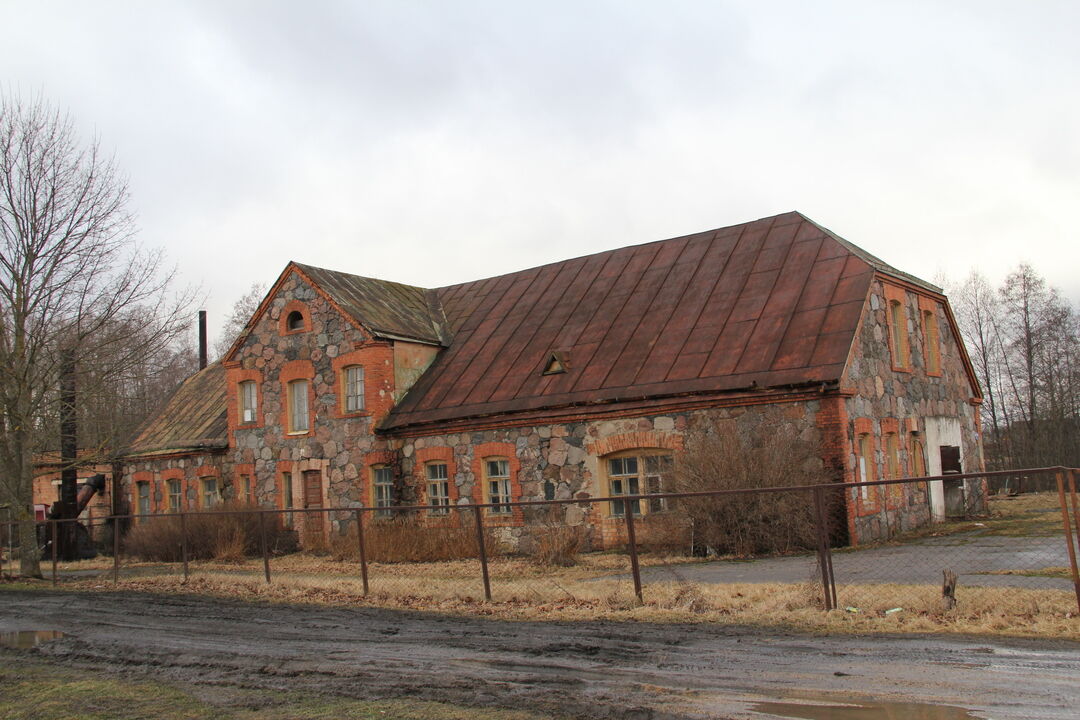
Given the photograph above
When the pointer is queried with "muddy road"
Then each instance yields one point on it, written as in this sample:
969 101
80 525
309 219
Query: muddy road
586 670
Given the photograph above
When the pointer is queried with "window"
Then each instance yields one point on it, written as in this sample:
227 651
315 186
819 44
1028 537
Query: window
176 496
287 498
438 488
498 485
643 474
295 321
354 388
916 457
892 464
247 487
210 493
931 343
382 483
298 406
899 330
866 466
248 407
144 498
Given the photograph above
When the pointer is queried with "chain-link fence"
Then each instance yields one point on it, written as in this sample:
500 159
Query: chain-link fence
912 544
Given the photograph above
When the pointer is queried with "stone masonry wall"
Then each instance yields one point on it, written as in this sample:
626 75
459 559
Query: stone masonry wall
887 398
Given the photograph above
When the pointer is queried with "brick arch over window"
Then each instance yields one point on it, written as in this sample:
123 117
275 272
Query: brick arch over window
291 307
166 476
496 450
634 441
141 476
236 376
297 370
435 454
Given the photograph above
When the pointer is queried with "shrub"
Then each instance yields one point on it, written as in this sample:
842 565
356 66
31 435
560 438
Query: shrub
411 538
224 533
718 458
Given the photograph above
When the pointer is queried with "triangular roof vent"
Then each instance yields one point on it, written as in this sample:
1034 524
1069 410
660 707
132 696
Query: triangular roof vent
556 363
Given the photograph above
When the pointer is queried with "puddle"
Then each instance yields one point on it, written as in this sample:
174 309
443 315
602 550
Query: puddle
864 711
26 639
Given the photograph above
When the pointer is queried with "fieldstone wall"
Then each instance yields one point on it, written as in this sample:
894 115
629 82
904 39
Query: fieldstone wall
886 399
189 468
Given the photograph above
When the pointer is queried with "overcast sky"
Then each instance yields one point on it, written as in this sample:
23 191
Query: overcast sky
438 142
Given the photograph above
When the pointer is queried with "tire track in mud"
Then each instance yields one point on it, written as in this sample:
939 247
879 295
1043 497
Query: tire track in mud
581 669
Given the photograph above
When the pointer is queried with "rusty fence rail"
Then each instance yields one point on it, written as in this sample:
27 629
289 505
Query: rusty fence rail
464 547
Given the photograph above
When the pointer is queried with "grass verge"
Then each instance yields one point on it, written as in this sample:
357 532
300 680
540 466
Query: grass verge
46 691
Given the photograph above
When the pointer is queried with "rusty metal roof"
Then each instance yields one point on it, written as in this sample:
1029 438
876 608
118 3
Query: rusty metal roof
194 418
387 309
770 303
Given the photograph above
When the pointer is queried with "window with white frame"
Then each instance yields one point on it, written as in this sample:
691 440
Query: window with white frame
298 406
623 480
497 471
382 483
354 388
248 402
438 485
211 494
176 496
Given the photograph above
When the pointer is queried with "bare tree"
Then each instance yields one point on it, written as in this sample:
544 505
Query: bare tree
73 283
242 311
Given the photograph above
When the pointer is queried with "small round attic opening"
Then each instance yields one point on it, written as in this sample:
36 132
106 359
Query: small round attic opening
295 320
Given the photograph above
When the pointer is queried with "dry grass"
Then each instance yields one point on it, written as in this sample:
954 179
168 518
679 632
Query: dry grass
598 589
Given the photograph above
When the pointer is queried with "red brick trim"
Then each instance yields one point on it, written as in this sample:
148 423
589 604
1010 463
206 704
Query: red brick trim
204 471
641 440
371 459
895 294
238 471
291 307
235 376
928 306
141 476
166 476
492 450
338 364
888 425
290 372
864 426
433 454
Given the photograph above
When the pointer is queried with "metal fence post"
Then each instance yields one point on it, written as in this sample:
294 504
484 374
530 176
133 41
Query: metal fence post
828 584
263 546
631 540
360 547
1075 508
184 543
116 549
53 544
1068 535
482 551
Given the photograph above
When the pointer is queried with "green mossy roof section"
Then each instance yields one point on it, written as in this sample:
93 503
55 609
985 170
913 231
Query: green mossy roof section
770 303
385 308
194 418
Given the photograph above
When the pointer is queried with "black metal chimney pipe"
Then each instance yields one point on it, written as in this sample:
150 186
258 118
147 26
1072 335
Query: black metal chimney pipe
202 339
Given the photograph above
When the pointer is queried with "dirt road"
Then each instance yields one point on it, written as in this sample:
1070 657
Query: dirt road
588 670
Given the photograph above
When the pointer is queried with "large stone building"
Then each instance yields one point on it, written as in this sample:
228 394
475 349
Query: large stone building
579 378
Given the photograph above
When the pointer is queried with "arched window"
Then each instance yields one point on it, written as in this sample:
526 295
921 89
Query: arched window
298 406
382 490
354 388
497 484
295 321
898 325
248 402
438 487
639 472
